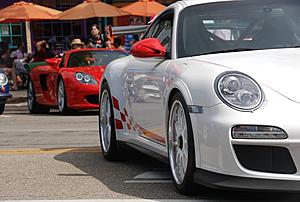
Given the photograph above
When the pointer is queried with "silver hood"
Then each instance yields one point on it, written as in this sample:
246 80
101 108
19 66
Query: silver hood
279 69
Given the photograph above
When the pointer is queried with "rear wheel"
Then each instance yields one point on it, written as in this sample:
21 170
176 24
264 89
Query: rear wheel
107 132
2 106
62 98
181 145
32 104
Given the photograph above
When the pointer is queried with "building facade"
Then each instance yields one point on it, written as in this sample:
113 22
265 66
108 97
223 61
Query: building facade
59 33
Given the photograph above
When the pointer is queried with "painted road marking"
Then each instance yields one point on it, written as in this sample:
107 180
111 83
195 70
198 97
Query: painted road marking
162 176
49 150
109 200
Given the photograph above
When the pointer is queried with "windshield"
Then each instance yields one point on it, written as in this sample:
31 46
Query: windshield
238 26
94 58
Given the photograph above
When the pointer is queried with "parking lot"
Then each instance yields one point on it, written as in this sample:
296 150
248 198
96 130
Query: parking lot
54 157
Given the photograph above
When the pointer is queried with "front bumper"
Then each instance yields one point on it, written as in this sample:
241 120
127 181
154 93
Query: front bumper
221 181
83 96
4 97
216 150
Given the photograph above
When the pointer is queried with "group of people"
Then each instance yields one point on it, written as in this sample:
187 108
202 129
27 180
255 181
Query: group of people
99 40
12 63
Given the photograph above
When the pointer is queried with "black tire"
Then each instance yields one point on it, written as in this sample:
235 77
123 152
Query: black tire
33 106
62 107
187 185
112 153
2 107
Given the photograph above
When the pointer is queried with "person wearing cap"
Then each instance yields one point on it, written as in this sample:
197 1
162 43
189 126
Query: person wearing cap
76 44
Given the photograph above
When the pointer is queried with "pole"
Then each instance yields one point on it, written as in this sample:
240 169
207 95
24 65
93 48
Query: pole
28 37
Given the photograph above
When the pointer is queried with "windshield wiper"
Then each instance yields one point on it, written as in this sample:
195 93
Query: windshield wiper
230 50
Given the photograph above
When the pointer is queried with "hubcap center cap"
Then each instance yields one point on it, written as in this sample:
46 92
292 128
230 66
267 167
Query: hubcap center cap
180 142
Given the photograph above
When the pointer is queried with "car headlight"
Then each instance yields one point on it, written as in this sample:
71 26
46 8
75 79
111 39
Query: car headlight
239 91
85 78
3 79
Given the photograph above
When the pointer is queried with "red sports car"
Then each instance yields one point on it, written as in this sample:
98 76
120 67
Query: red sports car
69 83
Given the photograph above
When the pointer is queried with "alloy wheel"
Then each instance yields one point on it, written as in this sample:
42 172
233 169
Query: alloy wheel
178 142
105 120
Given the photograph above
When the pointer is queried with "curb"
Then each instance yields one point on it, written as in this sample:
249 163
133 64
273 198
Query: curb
16 107
16 100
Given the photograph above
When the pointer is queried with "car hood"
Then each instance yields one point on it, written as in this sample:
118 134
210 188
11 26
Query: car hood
278 69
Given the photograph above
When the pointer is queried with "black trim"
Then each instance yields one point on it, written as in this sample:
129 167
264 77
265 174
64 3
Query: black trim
271 159
222 181
148 152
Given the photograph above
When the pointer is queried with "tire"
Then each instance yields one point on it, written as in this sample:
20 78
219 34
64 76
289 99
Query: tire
62 102
33 106
107 131
181 149
2 106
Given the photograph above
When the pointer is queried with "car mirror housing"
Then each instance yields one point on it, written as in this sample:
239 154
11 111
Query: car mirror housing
150 47
53 62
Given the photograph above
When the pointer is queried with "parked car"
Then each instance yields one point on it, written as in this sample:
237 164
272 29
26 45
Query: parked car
227 112
4 91
69 83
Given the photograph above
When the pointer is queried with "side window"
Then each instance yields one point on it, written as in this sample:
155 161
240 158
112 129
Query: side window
164 33
162 30
62 63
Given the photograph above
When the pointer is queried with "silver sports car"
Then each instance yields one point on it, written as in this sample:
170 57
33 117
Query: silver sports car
213 89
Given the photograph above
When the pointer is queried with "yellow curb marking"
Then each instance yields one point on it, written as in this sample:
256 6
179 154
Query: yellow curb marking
50 151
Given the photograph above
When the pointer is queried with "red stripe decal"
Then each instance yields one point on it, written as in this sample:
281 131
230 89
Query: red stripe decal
126 112
123 117
116 103
128 126
119 124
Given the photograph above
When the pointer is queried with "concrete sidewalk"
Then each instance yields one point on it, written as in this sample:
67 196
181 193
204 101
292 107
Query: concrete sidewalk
17 102
18 96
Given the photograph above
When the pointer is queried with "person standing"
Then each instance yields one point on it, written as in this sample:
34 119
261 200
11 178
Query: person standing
97 39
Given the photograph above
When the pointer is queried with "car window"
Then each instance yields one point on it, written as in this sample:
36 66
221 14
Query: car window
238 25
62 62
94 58
162 30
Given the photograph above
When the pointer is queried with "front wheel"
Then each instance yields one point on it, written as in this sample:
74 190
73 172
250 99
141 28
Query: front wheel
2 106
181 145
107 131
62 98
32 104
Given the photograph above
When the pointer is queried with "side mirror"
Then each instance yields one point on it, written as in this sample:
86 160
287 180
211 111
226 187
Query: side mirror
53 62
150 47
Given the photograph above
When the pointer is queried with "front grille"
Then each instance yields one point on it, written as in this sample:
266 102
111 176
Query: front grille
92 99
265 159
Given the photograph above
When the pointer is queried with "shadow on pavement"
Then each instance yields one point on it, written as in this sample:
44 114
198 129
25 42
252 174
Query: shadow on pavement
113 175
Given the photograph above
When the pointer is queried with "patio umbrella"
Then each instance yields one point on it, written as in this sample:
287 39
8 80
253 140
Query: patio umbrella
91 9
26 12
146 8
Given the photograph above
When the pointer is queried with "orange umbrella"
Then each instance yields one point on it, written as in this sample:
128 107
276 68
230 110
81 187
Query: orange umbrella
91 9
146 8
24 11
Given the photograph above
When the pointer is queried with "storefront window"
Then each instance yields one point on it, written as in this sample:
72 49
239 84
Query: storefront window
11 34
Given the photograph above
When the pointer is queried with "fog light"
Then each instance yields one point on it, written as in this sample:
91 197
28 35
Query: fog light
257 132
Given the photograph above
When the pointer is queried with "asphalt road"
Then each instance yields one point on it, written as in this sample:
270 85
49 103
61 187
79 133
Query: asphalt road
57 157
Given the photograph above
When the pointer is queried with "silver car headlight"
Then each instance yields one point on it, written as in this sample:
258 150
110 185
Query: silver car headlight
239 91
3 79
